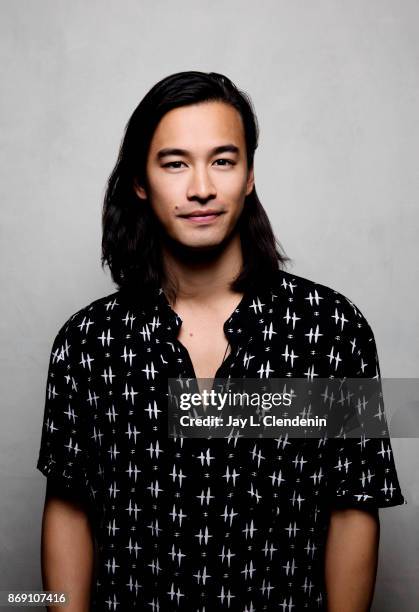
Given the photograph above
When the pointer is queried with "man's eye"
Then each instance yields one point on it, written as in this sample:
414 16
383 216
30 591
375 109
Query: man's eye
170 164
223 159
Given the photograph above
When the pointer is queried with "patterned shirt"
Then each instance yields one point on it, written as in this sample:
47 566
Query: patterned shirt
198 525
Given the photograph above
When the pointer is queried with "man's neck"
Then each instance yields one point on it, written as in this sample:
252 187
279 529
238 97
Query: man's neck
204 278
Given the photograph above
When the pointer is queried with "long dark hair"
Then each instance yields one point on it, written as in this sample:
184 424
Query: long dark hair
131 232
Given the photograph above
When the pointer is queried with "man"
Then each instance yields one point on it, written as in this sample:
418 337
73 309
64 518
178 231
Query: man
202 524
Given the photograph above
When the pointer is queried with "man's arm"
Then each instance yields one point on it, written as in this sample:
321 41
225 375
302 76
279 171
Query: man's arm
351 559
67 550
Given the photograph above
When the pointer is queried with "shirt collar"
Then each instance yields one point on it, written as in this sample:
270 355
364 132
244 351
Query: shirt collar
243 322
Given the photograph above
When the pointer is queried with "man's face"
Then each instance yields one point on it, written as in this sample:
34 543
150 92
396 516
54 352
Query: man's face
197 178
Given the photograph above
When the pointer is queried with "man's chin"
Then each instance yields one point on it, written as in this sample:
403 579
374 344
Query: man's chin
195 248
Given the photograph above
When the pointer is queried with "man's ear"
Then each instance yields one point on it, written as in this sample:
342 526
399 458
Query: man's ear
139 190
250 181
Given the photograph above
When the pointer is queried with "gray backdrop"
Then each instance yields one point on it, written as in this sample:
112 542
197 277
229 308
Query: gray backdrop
335 86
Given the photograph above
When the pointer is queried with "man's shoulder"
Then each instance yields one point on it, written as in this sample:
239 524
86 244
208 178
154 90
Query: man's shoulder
310 295
94 312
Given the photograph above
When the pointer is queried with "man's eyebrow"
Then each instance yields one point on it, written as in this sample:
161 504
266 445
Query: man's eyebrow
227 148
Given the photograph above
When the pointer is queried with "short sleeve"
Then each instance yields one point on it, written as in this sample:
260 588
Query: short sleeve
63 450
362 471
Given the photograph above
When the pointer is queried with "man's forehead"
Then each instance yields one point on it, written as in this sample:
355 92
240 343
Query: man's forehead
194 127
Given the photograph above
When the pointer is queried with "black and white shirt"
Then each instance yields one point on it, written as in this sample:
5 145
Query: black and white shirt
200 525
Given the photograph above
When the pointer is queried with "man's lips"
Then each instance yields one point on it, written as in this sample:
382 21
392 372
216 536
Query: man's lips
202 213
202 216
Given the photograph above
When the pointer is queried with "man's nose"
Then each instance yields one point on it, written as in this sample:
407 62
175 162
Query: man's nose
201 184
